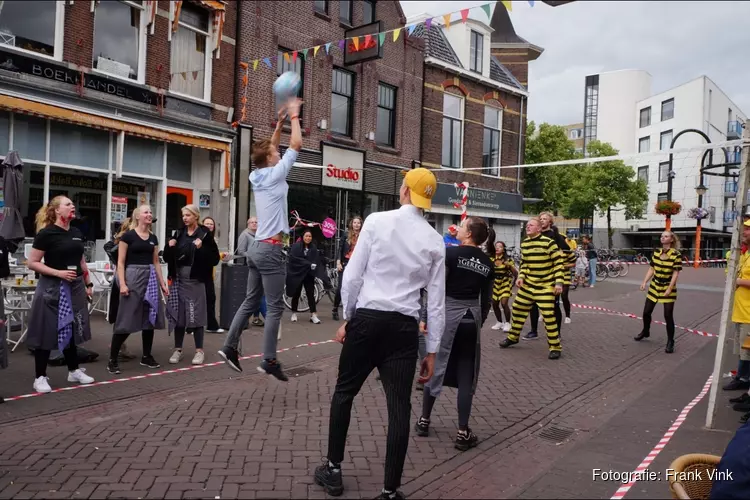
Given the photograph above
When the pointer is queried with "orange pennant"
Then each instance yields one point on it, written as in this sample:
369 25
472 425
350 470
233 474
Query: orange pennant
286 57
356 42
447 21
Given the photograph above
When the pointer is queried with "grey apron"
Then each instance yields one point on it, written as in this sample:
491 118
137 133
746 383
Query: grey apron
3 332
454 311
43 317
133 310
191 308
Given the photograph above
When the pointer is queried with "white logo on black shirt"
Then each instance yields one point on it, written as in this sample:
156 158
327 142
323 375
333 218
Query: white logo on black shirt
473 264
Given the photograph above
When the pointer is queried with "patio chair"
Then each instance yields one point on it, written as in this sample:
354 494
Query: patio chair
692 488
17 307
102 289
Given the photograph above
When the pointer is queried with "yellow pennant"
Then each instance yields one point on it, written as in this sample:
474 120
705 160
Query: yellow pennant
508 5
255 65
396 33
447 21
286 57
356 42
315 50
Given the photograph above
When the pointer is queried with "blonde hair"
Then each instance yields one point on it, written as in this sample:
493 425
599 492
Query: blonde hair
46 215
193 210
351 236
136 214
124 228
552 217
675 241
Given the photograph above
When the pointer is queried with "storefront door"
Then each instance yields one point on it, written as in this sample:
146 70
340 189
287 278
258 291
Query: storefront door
176 199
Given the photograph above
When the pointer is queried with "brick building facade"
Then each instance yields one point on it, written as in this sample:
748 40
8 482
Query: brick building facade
364 116
118 103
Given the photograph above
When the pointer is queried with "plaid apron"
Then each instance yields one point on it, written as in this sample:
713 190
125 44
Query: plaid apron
64 316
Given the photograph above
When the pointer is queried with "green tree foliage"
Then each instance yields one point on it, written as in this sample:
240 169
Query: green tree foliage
605 187
549 184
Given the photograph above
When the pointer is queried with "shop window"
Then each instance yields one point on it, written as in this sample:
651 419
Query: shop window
4 132
179 163
80 146
342 102
32 26
29 137
386 125
298 66
119 33
190 59
142 156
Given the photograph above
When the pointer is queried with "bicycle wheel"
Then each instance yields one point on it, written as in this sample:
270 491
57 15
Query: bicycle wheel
601 271
624 268
613 270
302 306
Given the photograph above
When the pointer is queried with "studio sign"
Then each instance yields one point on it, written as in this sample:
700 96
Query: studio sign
338 173
343 167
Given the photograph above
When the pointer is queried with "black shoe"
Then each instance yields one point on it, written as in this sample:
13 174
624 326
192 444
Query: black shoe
641 336
335 315
744 398
532 336
396 495
507 343
737 385
670 347
330 479
554 355
465 440
149 361
2 401
422 427
113 367
273 368
744 418
229 354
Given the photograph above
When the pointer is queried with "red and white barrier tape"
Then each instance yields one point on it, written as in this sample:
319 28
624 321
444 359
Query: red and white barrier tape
158 374
641 470
464 198
630 315
707 261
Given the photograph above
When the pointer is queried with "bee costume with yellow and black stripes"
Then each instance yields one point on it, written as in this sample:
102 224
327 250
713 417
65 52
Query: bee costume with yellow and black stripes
541 269
501 288
664 266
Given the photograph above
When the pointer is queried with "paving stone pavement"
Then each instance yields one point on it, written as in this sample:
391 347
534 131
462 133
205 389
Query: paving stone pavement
204 435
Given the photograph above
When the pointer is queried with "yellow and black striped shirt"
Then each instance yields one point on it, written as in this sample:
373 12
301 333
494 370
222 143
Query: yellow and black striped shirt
664 267
569 258
541 262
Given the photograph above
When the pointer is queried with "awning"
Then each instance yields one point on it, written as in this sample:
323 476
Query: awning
42 110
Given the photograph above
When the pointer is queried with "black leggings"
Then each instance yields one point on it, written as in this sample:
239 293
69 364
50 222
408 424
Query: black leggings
505 308
309 285
337 299
212 325
566 300
534 315
648 309
179 336
119 338
464 352
41 358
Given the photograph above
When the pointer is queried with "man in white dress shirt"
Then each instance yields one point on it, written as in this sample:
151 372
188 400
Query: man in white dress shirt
398 254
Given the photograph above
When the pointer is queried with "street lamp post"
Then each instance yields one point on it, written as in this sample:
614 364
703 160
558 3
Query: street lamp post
701 190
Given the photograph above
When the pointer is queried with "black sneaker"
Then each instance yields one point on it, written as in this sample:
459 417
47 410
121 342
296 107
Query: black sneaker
744 418
531 336
422 427
744 398
507 343
273 368
229 355
737 385
465 440
396 495
743 407
335 315
149 361
554 355
113 367
330 479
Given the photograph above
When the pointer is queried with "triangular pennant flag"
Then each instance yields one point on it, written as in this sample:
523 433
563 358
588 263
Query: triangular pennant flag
255 65
368 39
381 37
464 15
315 50
328 47
508 5
304 53
245 80
396 33
428 23
294 56
195 75
286 58
487 10
356 43
267 61
342 44
411 28
447 21
531 2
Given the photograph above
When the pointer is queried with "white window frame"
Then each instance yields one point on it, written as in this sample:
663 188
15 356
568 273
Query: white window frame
643 168
59 36
666 173
647 138
461 118
478 60
209 59
499 130
662 135
142 40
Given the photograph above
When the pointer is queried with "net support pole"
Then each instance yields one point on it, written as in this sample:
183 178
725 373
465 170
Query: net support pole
724 351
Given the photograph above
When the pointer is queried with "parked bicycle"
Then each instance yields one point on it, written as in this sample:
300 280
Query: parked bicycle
320 289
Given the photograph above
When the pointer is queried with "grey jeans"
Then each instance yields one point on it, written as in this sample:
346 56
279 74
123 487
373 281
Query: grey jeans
267 275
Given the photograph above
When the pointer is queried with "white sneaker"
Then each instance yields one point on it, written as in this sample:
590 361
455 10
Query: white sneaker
41 385
497 326
294 318
567 321
80 377
176 357
199 358
220 330
506 327
314 320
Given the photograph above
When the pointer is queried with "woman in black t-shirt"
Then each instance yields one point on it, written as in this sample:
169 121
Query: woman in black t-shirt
59 317
139 279
468 291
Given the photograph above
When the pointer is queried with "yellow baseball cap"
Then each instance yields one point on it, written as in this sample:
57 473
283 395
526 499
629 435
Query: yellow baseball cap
746 223
422 184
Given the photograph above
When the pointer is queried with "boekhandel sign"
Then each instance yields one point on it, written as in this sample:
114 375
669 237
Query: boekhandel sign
479 199
343 168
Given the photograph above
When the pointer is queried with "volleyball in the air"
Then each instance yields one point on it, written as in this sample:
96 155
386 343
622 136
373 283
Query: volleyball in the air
287 85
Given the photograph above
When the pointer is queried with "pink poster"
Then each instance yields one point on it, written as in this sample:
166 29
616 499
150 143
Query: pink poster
328 227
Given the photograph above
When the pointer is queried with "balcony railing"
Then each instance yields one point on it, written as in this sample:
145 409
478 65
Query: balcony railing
729 216
734 130
730 188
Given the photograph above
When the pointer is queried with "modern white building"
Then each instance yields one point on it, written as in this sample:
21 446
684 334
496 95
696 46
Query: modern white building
620 109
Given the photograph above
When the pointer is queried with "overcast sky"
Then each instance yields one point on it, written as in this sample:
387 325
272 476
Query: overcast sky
674 41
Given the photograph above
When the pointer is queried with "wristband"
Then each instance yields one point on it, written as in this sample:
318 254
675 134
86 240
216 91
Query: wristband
295 117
